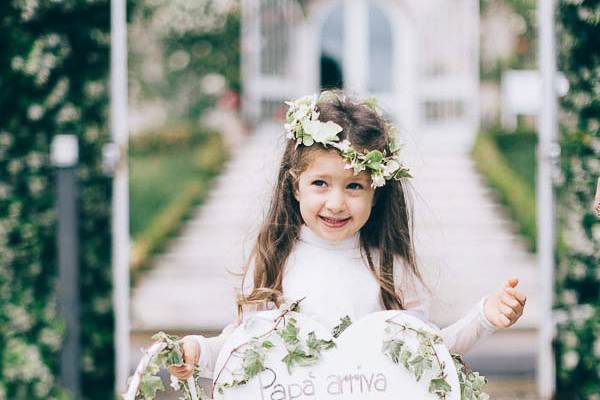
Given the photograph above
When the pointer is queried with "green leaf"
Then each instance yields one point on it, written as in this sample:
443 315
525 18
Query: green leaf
316 345
297 357
289 334
307 140
149 385
405 355
267 344
402 173
419 364
393 146
253 362
393 348
374 156
439 386
345 322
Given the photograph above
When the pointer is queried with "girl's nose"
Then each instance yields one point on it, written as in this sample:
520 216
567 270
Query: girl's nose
336 201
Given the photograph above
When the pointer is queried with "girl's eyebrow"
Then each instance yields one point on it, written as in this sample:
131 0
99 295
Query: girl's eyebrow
317 176
357 178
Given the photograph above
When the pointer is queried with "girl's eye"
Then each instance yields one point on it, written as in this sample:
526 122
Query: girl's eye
354 186
319 183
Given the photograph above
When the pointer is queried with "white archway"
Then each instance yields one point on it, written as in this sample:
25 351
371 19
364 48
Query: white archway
400 100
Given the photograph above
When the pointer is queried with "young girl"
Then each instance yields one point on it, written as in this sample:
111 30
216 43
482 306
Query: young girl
339 232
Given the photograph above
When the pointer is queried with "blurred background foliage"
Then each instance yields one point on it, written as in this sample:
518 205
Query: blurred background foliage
53 80
507 160
578 275
518 18
171 169
182 56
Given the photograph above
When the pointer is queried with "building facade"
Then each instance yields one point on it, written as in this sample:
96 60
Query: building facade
419 58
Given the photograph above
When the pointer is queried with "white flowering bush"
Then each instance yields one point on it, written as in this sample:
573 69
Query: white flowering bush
578 277
53 81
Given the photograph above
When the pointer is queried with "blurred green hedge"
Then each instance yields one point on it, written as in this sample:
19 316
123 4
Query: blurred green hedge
53 80
507 161
171 170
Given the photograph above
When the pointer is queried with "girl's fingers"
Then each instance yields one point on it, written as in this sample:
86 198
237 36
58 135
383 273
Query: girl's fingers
181 371
507 311
510 301
191 351
521 298
504 320
512 282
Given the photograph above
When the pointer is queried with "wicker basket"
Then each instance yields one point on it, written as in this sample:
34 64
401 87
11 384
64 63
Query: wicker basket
149 354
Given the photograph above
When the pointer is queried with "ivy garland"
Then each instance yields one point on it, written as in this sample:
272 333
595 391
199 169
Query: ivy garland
417 362
420 362
424 360
300 352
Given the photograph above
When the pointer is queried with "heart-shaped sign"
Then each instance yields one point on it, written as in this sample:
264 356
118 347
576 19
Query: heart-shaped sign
356 368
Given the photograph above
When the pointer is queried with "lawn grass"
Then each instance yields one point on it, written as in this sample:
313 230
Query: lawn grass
507 161
519 151
156 182
166 182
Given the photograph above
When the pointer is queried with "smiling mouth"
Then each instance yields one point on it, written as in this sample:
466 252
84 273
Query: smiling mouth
334 222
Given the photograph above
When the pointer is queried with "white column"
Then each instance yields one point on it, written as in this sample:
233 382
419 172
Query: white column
356 46
545 196
305 52
406 57
120 200
250 59
474 17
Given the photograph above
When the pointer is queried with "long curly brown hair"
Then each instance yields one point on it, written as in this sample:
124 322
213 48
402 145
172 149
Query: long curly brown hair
388 230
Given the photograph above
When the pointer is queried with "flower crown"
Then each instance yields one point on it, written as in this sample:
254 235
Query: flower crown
304 126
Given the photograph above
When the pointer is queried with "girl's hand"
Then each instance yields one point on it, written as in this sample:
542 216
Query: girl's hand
505 307
191 355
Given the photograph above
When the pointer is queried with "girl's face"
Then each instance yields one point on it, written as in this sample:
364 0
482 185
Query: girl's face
334 203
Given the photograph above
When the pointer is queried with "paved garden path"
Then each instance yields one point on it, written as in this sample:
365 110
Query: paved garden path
467 248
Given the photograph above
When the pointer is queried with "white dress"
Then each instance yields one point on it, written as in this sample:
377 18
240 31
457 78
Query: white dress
335 280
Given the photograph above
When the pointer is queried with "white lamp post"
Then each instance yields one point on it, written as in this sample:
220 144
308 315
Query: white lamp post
120 201
547 154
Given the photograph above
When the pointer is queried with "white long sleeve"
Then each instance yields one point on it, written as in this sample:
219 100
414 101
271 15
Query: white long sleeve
333 278
460 336
210 348
468 331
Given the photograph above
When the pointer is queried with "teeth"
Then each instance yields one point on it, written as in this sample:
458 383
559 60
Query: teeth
334 221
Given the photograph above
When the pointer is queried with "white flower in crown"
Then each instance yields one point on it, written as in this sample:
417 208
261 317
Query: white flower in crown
302 108
288 131
356 166
324 133
344 146
377 180
390 167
